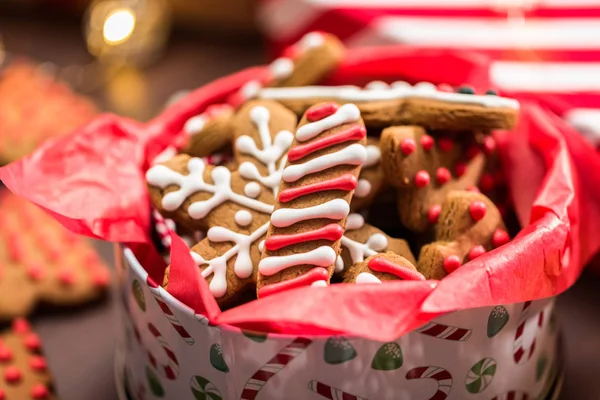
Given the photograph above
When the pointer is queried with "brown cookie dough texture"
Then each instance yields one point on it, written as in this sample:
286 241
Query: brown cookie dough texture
42 262
468 226
424 170
208 132
401 104
23 369
382 267
318 181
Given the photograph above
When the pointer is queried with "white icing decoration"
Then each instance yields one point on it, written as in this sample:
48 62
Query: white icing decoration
252 190
243 218
311 40
354 154
376 85
261 246
345 114
281 68
162 177
367 277
323 256
334 209
319 283
354 221
250 89
339 264
362 189
165 155
217 267
377 242
194 125
373 156
396 92
425 87
400 84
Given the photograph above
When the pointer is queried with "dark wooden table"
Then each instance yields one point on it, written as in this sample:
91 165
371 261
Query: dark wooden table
80 344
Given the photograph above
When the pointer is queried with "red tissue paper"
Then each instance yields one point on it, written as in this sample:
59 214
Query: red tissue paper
93 182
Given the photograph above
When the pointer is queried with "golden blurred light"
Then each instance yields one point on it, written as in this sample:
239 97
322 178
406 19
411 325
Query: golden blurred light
118 26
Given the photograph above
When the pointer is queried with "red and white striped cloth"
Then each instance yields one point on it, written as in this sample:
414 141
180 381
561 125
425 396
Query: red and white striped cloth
546 48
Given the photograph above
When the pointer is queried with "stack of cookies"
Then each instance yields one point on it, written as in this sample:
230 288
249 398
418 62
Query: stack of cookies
291 185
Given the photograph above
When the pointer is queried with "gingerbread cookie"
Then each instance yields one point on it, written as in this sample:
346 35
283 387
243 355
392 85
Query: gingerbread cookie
317 185
42 262
424 170
371 181
23 369
383 267
208 132
304 63
469 225
382 105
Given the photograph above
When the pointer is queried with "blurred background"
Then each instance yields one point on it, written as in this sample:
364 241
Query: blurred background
64 61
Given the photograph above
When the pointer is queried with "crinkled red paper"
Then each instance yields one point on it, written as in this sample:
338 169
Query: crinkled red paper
93 183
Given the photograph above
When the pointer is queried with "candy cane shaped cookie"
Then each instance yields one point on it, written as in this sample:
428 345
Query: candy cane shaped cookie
307 224
273 366
169 370
513 395
445 332
331 393
440 375
522 353
383 267
154 289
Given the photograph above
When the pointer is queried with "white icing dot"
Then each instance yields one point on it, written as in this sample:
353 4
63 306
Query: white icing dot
425 87
377 85
311 40
261 246
363 188
194 125
354 221
366 277
281 68
252 190
377 242
250 89
400 84
243 218
339 265
319 284
373 156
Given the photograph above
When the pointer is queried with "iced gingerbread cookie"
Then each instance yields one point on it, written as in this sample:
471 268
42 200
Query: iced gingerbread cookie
304 63
208 132
469 225
307 224
383 267
371 181
382 105
424 169
42 262
23 370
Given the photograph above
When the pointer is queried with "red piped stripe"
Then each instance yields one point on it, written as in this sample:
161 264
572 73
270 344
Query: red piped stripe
356 132
320 111
315 274
345 182
330 232
380 264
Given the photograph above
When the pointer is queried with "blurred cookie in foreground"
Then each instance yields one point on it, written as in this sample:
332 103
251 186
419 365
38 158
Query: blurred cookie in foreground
42 262
23 369
35 107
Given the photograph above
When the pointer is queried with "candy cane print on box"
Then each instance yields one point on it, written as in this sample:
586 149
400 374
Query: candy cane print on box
522 353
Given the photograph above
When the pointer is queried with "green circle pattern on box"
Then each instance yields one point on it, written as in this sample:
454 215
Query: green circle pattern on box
541 367
154 384
138 294
203 389
216 358
338 350
497 320
480 375
389 357
256 336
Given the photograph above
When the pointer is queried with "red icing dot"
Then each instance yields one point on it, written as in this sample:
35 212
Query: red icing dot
38 363
20 326
407 146
35 271
5 354
39 391
421 179
486 183
66 276
489 145
100 278
476 252
320 111
12 374
460 169
477 209
472 152
451 263
426 142
500 237
443 175
15 248
434 213
32 342
445 144
444 87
